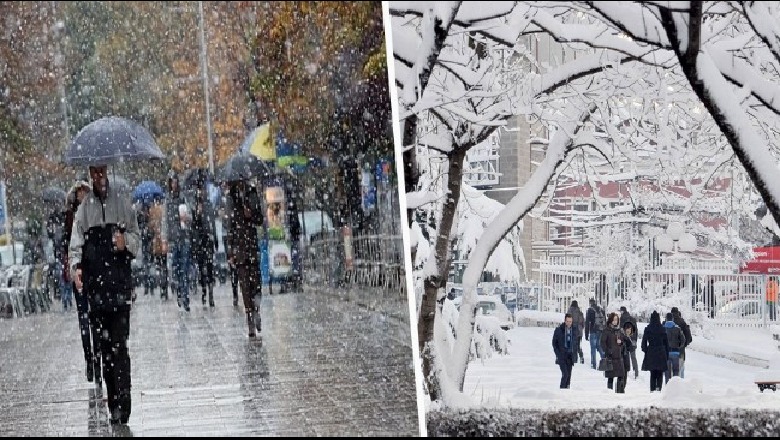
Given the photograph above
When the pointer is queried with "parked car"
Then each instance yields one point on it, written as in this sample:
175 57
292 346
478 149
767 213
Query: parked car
490 305
741 308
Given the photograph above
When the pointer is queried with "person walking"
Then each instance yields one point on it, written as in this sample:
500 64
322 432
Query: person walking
104 240
676 339
686 329
159 247
625 317
89 337
177 230
565 344
579 322
225 215
655 346
613 343
771 296
245 215
595 322
629 348
204 241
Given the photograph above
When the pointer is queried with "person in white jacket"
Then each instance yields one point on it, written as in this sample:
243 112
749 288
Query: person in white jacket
104 240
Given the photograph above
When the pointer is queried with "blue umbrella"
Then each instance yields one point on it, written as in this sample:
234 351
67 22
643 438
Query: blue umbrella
147 191
112 140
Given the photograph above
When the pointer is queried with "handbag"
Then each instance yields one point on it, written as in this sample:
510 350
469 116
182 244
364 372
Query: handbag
605 364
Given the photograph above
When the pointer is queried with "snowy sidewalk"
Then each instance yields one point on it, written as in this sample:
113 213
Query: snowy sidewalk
322 366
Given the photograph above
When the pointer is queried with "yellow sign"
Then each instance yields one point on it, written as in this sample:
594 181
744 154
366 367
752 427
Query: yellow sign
263 146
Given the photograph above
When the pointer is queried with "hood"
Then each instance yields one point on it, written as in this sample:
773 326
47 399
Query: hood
669 324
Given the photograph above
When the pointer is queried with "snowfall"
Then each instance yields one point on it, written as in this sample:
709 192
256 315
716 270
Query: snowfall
720 373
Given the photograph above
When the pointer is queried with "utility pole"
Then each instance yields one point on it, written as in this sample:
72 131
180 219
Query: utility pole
204 69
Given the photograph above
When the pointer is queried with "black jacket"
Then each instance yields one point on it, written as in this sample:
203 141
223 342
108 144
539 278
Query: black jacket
655 345
559 343
686 329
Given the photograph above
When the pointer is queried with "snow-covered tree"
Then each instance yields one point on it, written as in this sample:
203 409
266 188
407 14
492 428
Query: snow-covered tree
723 56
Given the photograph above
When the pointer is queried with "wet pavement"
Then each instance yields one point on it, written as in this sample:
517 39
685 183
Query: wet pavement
322 365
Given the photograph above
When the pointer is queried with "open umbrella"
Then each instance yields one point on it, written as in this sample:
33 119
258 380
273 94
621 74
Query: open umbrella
147 191
241 167
112 140
53 194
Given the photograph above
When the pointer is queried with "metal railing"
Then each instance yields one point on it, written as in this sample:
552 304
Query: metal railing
377 262
703 291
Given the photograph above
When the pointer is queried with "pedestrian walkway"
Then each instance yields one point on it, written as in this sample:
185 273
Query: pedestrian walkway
321 366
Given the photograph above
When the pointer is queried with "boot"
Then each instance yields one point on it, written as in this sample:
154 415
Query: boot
203 297
257 320
235 299
250 324
211 296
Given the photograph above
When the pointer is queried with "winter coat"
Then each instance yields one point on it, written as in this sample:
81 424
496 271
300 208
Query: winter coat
675 336
613 350
686 329
578 319
629 346
590 320
559 343
655 345
626 317
106 273
171 224
204 231
242 229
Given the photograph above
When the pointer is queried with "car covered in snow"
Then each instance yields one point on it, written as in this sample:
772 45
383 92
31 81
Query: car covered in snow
490 305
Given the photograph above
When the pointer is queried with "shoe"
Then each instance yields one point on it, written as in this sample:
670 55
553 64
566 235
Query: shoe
203 298
251 324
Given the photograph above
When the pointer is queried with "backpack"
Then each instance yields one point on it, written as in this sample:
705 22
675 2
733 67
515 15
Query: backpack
673 334
600 320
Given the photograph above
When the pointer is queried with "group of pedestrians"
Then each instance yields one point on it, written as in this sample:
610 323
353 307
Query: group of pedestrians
99 232
615 337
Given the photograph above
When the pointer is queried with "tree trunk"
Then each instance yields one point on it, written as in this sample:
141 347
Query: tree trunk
434 282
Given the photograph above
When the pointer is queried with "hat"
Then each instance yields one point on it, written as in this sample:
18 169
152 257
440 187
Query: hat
675 311
593 301
623 309
669 316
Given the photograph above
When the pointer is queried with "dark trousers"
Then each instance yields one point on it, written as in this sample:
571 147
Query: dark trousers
233 272
566 365
115 330
82 305
620 387
249 278
656 380
205 270
161 261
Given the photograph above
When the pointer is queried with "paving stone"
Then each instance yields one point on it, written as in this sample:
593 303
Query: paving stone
322 365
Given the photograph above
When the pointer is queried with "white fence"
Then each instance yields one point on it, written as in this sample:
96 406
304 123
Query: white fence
704 291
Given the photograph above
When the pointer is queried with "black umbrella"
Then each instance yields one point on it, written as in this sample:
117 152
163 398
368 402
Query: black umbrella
112 140
54 195
241 167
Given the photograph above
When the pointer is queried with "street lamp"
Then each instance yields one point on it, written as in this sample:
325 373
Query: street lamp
675 239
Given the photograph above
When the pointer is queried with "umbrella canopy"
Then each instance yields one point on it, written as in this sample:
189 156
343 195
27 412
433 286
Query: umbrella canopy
241 167
259 143
147 191
53 194
112 140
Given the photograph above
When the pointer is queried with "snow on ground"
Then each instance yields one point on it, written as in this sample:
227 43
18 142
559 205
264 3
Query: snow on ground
528 378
